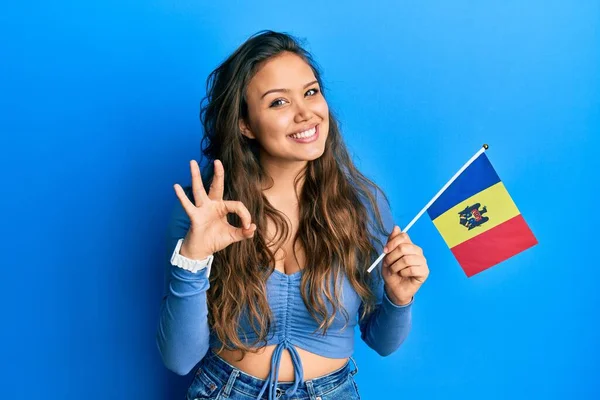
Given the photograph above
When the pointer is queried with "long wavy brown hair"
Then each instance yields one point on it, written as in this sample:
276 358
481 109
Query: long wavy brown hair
335 227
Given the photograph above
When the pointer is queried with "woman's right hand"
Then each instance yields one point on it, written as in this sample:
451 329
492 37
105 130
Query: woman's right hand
209 230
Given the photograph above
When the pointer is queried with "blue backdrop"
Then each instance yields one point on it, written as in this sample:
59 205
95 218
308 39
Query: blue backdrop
99 118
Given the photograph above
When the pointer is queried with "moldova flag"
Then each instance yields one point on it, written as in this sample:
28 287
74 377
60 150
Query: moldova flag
479 220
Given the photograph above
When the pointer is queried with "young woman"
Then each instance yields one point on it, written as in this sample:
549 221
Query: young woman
269 250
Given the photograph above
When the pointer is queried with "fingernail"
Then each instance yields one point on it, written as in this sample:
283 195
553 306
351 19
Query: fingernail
385 249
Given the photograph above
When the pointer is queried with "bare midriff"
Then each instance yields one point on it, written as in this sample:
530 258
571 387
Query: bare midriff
258 364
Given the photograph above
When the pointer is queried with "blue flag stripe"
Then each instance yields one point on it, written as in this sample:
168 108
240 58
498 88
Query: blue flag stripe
477 177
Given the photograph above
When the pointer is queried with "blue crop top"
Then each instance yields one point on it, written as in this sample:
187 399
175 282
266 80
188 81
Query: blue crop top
183 335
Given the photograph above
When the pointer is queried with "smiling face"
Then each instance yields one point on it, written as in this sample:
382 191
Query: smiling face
287 114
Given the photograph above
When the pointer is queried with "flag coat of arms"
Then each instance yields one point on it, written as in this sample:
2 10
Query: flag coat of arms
478 219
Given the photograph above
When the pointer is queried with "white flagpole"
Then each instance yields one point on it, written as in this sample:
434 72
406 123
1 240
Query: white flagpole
484 148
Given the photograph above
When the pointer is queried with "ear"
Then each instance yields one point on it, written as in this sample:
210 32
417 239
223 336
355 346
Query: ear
245 129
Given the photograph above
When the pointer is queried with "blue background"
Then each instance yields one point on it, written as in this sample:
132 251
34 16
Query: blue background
99 118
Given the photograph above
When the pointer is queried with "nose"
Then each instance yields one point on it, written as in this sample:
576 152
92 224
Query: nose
303 112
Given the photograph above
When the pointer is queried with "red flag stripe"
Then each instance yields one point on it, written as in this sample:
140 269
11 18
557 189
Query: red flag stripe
494 246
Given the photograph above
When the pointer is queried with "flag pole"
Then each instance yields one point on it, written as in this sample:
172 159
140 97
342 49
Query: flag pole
456 175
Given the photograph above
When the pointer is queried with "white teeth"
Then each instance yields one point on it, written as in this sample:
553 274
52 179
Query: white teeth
304 134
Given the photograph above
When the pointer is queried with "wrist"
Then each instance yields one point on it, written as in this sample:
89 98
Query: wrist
192 253
399 301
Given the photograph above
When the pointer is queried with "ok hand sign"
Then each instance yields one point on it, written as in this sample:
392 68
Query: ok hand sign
209 230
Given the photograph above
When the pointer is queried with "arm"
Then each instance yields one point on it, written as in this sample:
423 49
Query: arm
183 333
388 326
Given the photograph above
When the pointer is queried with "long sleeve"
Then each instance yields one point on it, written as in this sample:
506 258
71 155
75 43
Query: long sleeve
182 336
388 326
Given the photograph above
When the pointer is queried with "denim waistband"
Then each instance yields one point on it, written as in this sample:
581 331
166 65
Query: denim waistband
250 385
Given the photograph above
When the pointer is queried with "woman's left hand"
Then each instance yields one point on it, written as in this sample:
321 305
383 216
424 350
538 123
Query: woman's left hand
404 267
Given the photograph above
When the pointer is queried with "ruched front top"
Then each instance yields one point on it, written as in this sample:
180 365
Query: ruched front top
183 335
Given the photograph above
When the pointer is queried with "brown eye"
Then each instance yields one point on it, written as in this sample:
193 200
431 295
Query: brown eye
315 90
277 103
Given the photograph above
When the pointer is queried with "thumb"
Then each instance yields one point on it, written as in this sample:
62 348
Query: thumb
395 232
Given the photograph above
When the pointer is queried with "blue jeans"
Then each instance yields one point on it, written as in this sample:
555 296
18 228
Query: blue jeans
216 379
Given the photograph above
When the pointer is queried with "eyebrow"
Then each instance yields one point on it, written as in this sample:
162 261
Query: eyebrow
286 90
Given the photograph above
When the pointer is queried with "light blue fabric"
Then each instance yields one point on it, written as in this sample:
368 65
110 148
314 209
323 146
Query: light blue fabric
183 335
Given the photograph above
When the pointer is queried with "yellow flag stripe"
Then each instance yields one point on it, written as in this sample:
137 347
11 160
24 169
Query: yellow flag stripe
499 207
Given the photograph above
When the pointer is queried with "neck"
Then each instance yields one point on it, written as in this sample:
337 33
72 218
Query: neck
283 175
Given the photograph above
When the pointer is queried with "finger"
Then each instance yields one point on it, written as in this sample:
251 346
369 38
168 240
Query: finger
240 209
197 186
407 261
400 237
414 271
188 206
218 182
403 261
401 250
238 234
